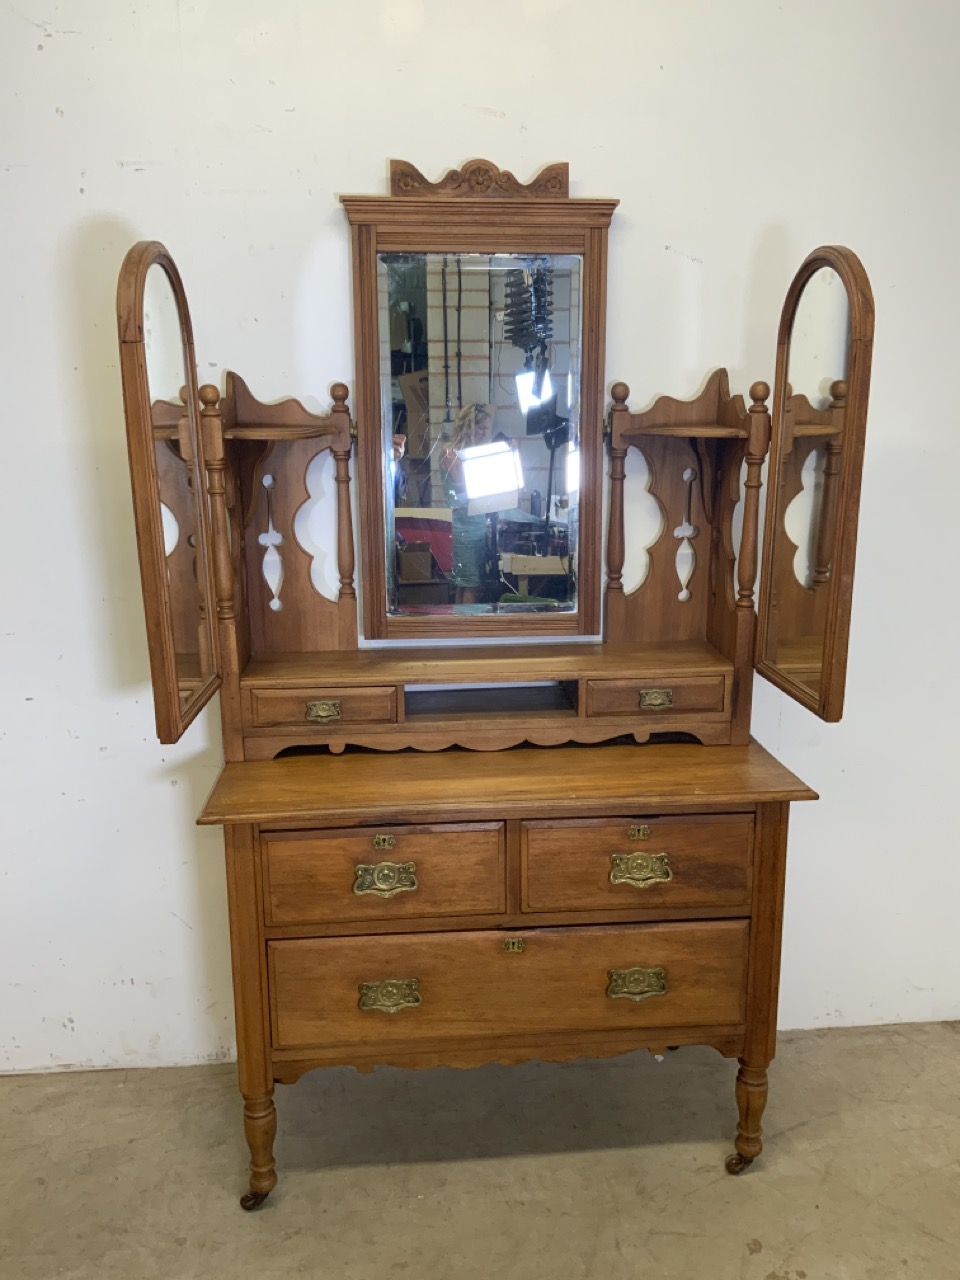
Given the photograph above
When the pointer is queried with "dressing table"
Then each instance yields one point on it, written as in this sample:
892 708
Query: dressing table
496 821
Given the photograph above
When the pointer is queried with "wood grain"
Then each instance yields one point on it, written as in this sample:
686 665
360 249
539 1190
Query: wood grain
313 790
566 865
471 986
309 877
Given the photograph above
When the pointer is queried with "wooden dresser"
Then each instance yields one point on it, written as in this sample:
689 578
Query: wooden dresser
501 826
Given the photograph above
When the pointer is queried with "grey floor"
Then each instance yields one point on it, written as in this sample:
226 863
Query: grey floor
597 1169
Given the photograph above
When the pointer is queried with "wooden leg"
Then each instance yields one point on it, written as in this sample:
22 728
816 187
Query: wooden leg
260 1127
751 1100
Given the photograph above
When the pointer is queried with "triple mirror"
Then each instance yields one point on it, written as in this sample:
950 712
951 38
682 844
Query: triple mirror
820 407
161 403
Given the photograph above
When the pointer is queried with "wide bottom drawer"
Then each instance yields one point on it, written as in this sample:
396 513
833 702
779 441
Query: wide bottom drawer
406 989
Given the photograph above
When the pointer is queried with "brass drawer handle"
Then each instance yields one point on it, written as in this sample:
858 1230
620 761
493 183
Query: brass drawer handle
327 709
385 879
391 995
640 869
636 984
656 699
384 842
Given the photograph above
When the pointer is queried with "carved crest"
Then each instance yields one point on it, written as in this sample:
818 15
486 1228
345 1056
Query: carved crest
480 179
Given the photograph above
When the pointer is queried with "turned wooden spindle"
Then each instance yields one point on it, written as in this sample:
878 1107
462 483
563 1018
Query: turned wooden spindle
619 414
826 527
212 436
751 1100
758 441
260 1129
341 455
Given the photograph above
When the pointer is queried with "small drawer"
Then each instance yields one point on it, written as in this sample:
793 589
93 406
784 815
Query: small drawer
406 989
383 873
643 862
654 697
322 708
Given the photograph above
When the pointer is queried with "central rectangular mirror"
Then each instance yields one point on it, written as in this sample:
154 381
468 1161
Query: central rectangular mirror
480 362
479 307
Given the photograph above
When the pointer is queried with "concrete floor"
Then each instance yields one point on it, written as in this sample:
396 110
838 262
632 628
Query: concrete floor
598 1169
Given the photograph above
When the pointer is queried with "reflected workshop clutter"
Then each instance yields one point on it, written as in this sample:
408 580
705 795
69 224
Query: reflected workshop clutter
480 397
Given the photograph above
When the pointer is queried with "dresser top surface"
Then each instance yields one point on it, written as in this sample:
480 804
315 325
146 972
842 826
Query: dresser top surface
410 786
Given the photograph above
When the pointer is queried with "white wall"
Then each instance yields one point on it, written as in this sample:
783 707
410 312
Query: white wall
738 136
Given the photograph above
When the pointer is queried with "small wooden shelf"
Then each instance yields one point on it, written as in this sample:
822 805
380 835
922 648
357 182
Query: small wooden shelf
482 664
687 431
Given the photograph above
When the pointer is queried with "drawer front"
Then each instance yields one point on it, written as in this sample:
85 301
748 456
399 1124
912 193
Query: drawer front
654 697
322 708
406 989
642 862
383 873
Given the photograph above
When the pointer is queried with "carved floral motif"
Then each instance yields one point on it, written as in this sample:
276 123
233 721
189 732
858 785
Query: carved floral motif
479 178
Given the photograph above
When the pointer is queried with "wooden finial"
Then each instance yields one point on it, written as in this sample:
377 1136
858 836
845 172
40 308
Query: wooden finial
339 391
209 398
759 394
838 393
620 392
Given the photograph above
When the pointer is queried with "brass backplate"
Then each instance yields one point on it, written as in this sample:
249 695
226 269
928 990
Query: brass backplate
385 879
636 984
640 869
656 699
390 995
327 709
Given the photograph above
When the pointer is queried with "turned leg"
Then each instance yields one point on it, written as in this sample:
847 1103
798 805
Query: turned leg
260 1127
751 1100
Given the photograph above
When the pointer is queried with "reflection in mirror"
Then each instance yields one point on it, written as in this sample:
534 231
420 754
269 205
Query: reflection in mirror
811 451
180 483
480 385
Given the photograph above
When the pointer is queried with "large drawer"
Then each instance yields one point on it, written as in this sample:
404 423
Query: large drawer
383 873
371 992
617 864
322 707
654 697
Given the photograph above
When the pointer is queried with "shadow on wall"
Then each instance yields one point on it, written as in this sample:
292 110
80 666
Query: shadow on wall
90 270
93 257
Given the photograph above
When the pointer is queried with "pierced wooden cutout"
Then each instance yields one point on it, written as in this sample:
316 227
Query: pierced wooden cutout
271 540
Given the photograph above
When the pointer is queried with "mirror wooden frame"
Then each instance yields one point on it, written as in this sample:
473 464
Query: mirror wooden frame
477 209
172 716
828 703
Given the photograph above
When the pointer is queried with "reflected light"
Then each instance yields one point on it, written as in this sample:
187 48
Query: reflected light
573 471
526 390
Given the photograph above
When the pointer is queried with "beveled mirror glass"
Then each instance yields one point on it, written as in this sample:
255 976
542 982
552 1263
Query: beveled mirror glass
166 459
480 413
820 404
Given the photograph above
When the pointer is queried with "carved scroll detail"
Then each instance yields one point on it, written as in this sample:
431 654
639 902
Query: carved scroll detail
480 178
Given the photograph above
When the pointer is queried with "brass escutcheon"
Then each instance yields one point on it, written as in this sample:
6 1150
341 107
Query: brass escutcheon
656 699
325 710
636 984
384 842
513 944
390 995
385 879
640 869
639 831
